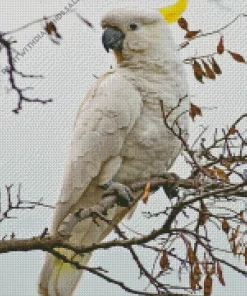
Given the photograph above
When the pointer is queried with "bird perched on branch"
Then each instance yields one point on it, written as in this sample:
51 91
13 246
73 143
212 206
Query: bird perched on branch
119 134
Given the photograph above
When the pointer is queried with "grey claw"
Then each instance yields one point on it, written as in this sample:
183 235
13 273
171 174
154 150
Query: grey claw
122 192
171 190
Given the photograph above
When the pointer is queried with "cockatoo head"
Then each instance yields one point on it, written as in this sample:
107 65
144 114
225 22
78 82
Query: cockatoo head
130 33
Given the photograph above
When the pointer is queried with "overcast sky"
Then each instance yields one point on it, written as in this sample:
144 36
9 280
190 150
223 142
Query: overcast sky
33 144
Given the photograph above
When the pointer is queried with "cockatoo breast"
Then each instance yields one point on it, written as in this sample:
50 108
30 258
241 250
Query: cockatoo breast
150 148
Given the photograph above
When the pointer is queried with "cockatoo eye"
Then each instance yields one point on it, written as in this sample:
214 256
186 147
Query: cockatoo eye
133 26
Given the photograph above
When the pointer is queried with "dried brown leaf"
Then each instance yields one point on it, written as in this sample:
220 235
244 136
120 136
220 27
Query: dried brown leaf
234 248
241 215
192 34
198 72
183 24
234 234
232 130
225 226
203 214
237 57
193 281
197 270
48 28
220 274
226 164
221 174
209 72
237 230
245 255
164 261
194 111
216 67
220 46
208 285
210 172
191 255
196 273
51 28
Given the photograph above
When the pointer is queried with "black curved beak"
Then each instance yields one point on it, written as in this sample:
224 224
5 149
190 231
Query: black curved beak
112 39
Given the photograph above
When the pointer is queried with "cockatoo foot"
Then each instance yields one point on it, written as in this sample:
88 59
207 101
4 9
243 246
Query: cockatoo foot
171 190
121 191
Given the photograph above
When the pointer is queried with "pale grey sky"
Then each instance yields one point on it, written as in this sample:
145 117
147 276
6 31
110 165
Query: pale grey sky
33 145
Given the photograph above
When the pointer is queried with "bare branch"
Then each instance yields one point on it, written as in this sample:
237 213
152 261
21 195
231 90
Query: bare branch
11 71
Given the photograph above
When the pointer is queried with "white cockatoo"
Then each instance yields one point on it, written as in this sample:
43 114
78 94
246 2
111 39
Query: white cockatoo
119 135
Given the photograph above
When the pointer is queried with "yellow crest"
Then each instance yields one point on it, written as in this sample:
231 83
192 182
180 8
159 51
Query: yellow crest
173 12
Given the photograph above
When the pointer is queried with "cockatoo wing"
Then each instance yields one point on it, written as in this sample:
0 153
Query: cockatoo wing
105 118
107 115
